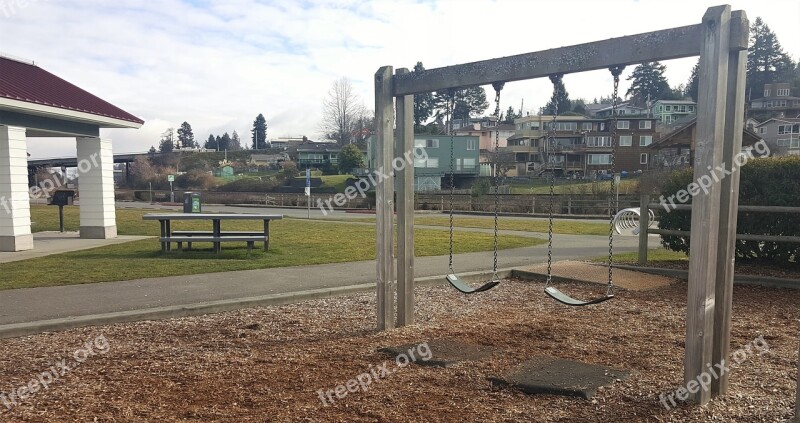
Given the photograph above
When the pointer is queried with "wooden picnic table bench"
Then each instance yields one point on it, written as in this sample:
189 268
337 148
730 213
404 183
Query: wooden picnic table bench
216 235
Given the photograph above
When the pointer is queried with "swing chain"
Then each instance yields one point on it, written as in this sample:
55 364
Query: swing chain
498 86
616 71
551 142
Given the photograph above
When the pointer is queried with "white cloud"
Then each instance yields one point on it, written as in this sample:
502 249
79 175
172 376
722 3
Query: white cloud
217 64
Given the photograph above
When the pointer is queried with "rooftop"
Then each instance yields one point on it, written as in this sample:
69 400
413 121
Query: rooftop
27 88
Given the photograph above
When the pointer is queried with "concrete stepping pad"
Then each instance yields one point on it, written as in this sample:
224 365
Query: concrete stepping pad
443 352
555 376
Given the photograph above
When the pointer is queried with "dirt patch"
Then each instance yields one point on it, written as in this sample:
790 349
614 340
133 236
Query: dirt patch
741 268
269 364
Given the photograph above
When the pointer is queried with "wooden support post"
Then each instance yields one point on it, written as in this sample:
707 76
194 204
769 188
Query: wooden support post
644 224
729 202
384 197
404 149
797 394
705 205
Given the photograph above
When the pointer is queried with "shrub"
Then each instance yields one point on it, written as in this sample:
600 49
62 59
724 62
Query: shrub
249 185
196 179
764 182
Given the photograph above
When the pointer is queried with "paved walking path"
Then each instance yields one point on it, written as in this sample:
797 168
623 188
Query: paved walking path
36 304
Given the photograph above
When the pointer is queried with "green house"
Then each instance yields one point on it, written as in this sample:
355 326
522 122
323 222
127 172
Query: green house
432 164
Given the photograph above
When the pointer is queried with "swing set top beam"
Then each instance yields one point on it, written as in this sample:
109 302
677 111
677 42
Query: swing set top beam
673 43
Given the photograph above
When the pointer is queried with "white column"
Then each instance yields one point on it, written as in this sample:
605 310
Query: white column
96 188
15 208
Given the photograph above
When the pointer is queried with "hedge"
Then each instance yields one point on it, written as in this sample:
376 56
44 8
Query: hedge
763 182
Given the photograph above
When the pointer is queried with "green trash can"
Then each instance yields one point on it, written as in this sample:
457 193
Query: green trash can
191 202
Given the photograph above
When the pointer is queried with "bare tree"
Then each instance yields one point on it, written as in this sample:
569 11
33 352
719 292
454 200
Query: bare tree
341 111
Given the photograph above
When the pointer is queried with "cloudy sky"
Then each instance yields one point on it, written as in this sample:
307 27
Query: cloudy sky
217 64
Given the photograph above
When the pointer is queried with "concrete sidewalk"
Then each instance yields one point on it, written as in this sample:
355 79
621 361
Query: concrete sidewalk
49 243
39 304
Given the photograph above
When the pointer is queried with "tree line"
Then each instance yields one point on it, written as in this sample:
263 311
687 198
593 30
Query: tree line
185 139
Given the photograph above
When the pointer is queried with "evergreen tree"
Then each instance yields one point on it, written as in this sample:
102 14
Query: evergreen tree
211 143
649 80
167 143
152 150
766 60
236 142
511 115
259 133
225 142
186 136
467 103
423 104
350 158
694 82
579 106
558 100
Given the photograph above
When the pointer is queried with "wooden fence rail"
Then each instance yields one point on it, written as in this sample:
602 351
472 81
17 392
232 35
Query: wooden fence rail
644 223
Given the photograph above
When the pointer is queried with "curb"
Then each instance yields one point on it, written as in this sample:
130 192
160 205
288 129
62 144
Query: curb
765 281
15 330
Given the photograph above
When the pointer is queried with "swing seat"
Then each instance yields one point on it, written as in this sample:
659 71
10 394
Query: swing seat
567 300
466 289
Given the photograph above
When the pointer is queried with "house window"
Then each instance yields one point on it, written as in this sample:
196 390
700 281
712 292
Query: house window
794 143
586 126
783 142
645 140
598 141
432 143
623 124
432 162
659 109
645 124
472 144
643 158
690 108
668 108
622 112
783 92
469 163
761 130
625 140
766 92
599 159
683 109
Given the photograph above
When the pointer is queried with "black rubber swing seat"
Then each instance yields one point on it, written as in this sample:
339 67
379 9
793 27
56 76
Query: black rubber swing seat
567 300
466 289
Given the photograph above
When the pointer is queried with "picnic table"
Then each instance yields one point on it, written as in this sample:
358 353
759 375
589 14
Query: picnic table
216 235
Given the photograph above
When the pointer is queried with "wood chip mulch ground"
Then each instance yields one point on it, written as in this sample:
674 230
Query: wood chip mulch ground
268 364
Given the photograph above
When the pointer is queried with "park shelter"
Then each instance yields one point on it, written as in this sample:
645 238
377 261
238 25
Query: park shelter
36 103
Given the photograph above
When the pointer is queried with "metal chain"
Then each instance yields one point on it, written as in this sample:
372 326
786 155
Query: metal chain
551 141
451 111
615 72
498 86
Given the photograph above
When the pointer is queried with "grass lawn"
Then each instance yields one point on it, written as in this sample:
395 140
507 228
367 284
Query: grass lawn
562 226
296 242
655 254
339 182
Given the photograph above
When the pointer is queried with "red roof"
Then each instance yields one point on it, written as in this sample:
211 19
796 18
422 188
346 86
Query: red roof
32 84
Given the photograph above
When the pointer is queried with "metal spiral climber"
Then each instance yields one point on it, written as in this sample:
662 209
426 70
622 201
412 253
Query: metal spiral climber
628 219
